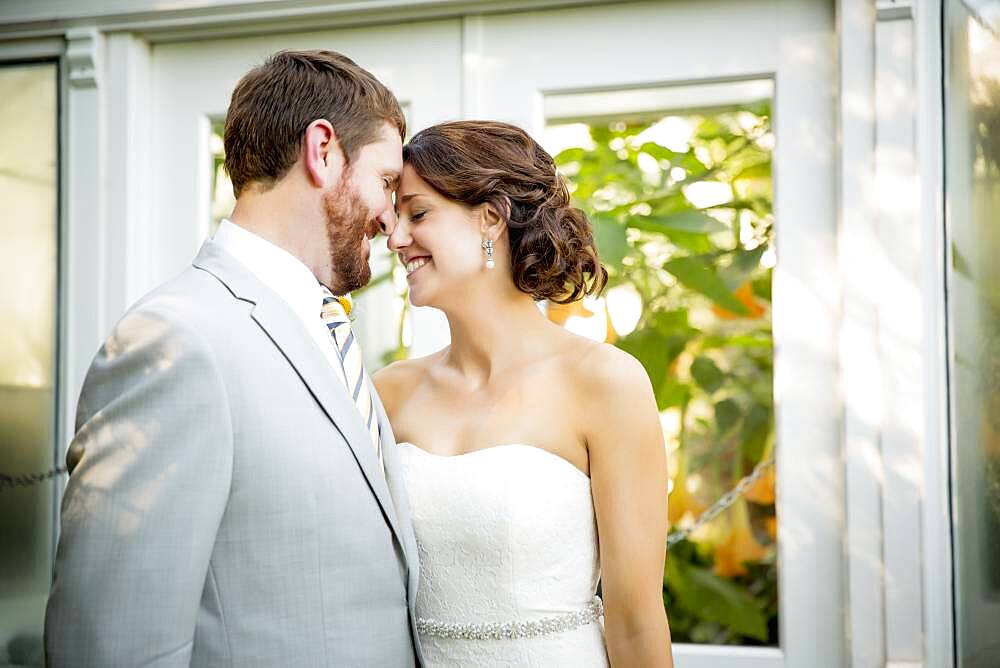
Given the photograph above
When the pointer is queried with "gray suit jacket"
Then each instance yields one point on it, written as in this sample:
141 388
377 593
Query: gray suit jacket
227 506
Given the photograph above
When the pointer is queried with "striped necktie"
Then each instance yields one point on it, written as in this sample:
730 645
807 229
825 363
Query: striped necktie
334 316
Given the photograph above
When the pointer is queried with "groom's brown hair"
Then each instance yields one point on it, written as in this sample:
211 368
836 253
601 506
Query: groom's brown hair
275 102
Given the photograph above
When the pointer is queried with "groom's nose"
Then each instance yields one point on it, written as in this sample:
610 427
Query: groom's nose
387 220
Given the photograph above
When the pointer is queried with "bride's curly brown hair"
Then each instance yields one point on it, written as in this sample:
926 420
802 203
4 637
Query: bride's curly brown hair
552 249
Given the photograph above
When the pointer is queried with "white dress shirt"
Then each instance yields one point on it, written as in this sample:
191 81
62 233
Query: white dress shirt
288 276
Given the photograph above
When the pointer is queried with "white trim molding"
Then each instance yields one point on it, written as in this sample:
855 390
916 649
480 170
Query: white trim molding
83 198
32 49
83 56
893 10
860 367
899 336
159 20
937 549
713 656
892 334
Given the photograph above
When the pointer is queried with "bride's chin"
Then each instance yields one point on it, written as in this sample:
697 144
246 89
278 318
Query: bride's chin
420 297
416 299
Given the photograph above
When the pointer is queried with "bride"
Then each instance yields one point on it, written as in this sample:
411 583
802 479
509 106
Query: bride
533 457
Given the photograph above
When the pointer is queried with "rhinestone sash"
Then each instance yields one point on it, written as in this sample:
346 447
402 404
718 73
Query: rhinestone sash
517 629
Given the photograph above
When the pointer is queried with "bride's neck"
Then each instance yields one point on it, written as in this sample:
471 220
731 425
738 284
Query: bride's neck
493 333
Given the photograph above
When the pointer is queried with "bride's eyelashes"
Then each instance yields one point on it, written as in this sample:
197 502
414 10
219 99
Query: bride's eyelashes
417 215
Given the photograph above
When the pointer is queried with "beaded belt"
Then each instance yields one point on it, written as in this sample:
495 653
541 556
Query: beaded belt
518 629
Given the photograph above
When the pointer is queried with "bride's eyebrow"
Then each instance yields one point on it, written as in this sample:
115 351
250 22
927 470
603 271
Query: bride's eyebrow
400 201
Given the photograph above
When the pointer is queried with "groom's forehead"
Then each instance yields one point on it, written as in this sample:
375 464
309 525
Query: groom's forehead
386 150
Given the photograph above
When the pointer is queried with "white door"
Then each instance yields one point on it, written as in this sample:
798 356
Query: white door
522 66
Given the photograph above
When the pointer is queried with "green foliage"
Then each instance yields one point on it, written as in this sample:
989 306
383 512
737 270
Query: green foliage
701 593
701 267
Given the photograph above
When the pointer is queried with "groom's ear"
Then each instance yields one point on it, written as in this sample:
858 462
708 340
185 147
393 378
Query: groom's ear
493 222
322 154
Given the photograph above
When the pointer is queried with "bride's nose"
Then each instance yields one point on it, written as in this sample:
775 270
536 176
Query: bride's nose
400 237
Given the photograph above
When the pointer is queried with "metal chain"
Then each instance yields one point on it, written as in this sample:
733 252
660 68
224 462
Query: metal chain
27 479
727 499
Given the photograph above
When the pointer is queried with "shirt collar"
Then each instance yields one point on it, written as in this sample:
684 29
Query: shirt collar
275 267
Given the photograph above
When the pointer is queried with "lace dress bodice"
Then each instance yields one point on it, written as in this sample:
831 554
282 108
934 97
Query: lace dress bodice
505 535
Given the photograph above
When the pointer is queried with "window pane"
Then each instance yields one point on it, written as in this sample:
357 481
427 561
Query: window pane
28 261
677 184
972 144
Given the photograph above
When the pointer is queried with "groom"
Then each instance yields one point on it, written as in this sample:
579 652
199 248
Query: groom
235 496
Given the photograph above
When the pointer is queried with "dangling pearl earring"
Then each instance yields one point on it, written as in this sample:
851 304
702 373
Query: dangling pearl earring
488 248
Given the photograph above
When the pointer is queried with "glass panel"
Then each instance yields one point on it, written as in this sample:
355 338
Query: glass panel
29 257
972 148
680 198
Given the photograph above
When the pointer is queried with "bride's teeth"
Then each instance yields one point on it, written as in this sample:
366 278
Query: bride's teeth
415 264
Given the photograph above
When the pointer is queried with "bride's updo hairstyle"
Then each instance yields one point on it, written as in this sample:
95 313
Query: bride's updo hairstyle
552 250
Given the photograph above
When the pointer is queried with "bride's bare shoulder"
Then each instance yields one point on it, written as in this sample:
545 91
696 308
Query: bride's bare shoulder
601 369
399 379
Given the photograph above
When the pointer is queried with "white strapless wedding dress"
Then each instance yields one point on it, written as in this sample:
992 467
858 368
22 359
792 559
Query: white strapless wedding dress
508 558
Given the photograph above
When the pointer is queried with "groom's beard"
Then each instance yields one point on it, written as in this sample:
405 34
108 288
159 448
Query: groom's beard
347 221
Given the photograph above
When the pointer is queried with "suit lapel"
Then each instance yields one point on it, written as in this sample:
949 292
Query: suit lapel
283 327
397 488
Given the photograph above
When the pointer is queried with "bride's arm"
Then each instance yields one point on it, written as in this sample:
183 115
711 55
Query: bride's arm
628 473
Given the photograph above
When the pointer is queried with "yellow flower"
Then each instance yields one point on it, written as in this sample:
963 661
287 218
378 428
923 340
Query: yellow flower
560 313
681 502
347 303
739 546
762 489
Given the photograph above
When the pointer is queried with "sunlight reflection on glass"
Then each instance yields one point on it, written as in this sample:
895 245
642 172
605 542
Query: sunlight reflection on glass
972 150
28 254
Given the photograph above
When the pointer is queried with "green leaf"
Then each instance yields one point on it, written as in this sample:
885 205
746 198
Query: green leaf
743 265
575 154
756 428
671 394
611 242
660 152
696 243
707 374
673 322
959 264
738 341
647 346
762 286
760 170
698 275
690 222
660 203
760 108
727 414
702 593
